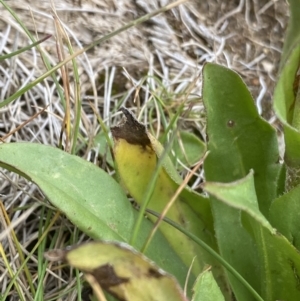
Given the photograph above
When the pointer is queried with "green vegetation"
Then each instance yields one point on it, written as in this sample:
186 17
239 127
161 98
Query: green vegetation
241 225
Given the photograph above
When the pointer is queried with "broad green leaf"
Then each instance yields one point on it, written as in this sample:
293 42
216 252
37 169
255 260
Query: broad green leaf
123 272
285 215
188 149
88 196
239 140
278 260
206 288
240 195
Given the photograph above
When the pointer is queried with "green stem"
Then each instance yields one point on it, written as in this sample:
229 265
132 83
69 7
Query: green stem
12 54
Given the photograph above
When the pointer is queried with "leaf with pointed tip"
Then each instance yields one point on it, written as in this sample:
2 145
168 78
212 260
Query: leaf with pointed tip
88 196
285 215
206 288
278 262
239 140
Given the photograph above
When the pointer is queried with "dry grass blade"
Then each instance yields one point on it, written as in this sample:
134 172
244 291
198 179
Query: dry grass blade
22 125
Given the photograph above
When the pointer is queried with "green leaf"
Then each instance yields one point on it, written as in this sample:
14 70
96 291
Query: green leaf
292 38
287 95
188 149
206 288
88 196
278 261
196 210
103 148
199 204
285 215
284 101
240 195
239 140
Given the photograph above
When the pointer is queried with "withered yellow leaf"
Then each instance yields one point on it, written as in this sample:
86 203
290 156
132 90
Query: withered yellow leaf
136 154
121 271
